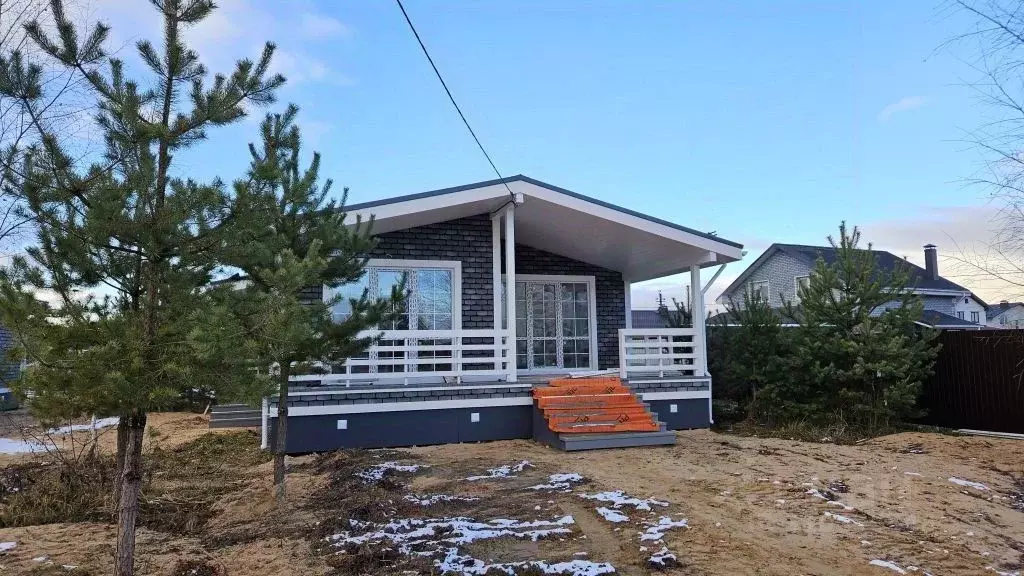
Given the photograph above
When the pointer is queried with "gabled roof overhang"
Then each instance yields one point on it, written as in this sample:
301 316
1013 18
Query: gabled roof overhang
557 220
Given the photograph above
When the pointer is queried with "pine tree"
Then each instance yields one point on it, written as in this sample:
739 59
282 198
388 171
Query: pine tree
861 353
124 225
311 245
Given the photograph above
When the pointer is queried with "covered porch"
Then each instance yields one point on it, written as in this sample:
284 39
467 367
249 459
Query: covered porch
560 264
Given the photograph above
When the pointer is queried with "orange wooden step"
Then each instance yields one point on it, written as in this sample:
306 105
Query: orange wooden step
547 403
595 408
602 380
588 428
599 418
580 389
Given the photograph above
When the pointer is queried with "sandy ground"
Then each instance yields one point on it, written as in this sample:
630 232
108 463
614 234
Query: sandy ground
746 501
749 512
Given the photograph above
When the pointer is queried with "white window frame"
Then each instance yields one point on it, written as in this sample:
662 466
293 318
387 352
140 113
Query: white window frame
592 296
796 286
768 289
960 315
455 266
975 316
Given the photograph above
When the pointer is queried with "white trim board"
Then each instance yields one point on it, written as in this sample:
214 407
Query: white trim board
676 395
406 406
371 389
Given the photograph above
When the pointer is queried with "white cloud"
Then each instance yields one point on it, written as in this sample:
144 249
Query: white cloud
905 104
236 29
965 236
320 26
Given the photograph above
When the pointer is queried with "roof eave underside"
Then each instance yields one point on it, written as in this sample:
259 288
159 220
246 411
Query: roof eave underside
565 223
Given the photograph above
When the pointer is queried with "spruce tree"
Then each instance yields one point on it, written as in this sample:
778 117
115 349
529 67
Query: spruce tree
861 355
126 227
304 241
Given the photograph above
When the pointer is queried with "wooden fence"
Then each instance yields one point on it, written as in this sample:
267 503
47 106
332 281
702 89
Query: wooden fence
978 381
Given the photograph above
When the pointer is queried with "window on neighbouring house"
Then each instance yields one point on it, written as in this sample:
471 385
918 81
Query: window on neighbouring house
800 282
761 290
975 317
960 315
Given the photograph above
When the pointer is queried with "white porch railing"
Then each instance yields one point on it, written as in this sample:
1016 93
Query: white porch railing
427 355
660 352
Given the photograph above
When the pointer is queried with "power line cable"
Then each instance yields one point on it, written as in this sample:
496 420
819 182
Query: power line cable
452 98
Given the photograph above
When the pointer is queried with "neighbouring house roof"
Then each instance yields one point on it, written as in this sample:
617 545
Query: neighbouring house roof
887 262
558 220
996 310
929 318
937 319
648 319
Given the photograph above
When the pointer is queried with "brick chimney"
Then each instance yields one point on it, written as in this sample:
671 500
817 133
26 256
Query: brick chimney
931 261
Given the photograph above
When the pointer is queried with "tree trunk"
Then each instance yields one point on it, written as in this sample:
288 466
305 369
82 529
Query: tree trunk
128 504
282 430
122 448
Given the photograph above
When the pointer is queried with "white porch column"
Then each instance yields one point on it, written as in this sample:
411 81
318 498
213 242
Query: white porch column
697 312
510 287
496 267
629 302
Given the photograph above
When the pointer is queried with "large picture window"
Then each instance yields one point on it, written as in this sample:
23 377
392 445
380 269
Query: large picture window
433 286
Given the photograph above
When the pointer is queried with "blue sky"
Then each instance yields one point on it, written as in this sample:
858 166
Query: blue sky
761 122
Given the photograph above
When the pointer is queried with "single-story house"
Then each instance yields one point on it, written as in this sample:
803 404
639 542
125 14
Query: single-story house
778 273
1008 315
512 282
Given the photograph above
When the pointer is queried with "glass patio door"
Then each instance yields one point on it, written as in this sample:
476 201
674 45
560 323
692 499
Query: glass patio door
552 325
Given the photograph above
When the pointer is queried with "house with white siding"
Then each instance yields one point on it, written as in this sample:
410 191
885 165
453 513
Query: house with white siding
1008 315
778 273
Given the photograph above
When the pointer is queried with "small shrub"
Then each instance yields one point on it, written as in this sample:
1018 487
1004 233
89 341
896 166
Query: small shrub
68 491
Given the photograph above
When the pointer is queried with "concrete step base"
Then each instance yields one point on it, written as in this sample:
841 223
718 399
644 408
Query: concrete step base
244 422
575 442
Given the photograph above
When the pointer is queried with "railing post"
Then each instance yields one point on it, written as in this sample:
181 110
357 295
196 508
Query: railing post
622 354
457 357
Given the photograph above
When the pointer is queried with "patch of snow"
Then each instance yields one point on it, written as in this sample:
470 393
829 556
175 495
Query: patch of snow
865 543
101 423
886 564
657 530
912 473
842 519
562 482
612 515
663 559
818 494
454 562
435 498
12 446
376 473
1000 573
962 482
40 559
443 536
620 499
7 546
411 533
506 471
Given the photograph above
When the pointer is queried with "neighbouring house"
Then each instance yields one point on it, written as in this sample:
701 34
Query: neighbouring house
778 273
644 318
1006 315
454 368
